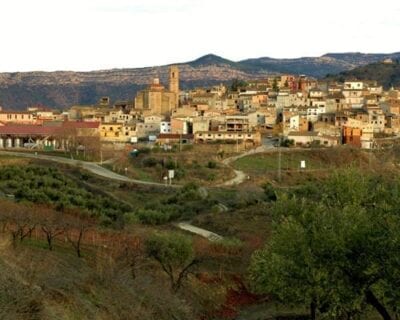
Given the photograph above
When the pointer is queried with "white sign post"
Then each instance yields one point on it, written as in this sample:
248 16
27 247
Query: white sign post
302 164
171 175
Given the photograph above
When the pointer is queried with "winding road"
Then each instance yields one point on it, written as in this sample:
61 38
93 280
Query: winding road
89 166
97 169
240 176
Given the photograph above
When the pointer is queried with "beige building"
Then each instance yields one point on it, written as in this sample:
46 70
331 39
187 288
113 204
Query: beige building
253 138
17 117
116 132
156 100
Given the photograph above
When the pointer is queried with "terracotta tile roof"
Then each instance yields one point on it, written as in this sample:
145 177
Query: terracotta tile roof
81 124
31 129
15 129
175 136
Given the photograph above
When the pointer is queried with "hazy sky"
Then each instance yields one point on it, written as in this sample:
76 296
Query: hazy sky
102 34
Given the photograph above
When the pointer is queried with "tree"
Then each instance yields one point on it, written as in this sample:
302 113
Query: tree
327 249
237 84
18 219
275 86
51 225
75 228
174 252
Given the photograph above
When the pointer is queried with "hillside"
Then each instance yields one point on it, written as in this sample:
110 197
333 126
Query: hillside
386 74
62 89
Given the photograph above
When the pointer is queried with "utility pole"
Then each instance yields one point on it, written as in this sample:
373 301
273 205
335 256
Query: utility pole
279 160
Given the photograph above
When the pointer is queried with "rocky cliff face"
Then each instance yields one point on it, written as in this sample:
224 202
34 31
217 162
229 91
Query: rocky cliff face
62 89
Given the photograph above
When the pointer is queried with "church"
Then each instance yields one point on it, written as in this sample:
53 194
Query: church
156 99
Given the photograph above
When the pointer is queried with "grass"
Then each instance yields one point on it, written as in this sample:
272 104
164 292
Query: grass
319 164
262 163
190 165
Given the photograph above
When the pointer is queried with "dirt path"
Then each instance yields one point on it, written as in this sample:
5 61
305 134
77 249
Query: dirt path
241 176
199 231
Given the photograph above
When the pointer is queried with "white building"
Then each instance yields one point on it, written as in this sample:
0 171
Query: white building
165 127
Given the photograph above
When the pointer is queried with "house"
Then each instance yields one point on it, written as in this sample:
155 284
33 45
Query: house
313 138
18 117
352 136
248 138
54 135
174 138
200 124
335 102
180 126
165 127
143 130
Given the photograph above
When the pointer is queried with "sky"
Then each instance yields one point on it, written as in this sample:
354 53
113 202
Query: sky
83 35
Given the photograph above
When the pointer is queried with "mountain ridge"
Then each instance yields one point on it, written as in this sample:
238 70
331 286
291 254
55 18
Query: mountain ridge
61 89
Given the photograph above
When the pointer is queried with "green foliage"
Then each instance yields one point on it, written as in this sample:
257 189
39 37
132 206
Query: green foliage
326 248
49 186
170 164
270 192
237 84
172 249
275 86
153 217
287 143
174 252
150 162
385 74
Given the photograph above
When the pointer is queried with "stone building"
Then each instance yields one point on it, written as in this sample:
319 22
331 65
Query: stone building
156 100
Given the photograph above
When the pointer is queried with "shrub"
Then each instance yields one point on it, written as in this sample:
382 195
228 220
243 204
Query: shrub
150 162
153 217
170 164
211 165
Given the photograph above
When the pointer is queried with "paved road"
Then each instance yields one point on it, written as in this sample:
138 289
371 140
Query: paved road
199 231
89 166
240 176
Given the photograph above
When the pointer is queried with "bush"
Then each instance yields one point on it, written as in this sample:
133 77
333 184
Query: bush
150 162
269 191
287 143
211 165
170 164
153 217
49 186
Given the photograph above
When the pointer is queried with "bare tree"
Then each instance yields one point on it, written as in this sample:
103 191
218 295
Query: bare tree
51 223
75 229
131 250
19 220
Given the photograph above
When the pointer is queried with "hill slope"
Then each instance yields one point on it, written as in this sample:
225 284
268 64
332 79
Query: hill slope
387 75
62 89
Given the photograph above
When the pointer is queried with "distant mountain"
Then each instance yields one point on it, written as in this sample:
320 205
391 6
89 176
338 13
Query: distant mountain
387 74
317 66
62 89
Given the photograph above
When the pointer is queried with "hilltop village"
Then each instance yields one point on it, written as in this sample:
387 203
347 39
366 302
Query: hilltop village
300 110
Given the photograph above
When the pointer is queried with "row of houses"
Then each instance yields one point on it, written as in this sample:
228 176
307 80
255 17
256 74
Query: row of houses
302 109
